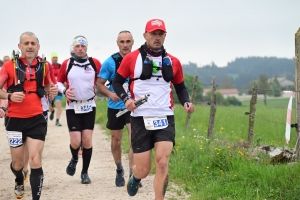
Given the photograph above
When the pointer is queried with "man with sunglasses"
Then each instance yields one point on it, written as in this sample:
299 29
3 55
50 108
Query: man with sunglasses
115 125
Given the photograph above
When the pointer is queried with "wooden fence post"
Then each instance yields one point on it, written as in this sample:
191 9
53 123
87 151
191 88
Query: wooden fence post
213 109
297 84
252 113
188 117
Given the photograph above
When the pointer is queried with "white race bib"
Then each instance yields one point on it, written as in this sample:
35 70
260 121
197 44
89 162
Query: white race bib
83 107
155 123
14 138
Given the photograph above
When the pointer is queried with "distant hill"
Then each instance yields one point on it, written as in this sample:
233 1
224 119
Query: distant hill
242 71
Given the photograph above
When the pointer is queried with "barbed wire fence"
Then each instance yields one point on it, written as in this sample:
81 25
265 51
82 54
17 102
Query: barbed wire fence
253 101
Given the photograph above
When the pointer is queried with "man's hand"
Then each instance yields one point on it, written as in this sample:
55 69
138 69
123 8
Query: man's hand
53 92
130 105
114 97
2 112
70 94
17 97
188 107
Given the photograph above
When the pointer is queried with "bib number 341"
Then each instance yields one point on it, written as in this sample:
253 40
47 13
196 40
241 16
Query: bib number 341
14 138
155 123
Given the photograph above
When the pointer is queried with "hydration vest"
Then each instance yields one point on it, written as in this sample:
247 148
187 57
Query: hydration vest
118 59
148 67
21 77
71 64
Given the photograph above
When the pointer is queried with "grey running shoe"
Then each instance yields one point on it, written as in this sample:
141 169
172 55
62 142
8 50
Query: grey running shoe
72 167
120 181
85 179
19 190
57 123
132 186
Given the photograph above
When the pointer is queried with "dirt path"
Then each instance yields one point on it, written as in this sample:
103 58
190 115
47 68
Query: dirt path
58 185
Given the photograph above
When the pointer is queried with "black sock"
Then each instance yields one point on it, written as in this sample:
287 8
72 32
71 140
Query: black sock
136 179
36 182
130 172
18 174
119 166
86 159
74 153
57 120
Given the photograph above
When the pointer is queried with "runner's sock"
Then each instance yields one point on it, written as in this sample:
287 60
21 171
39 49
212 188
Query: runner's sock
136 179
130 172
86 159
74 152
18 174
119 165
57 120
36 182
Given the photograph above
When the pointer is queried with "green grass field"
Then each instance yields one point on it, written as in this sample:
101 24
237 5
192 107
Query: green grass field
219 168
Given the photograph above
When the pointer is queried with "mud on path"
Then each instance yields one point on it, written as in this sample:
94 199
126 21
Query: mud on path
58 185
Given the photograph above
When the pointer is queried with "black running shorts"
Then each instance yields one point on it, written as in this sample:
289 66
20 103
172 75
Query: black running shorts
79 122
143 140
33 127
116 123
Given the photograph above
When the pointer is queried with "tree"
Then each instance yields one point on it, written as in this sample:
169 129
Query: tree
263 86
189 81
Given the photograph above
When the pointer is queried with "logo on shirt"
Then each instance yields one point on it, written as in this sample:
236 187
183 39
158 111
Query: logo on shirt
88 70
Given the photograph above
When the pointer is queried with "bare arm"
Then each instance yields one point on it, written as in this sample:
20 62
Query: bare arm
105 91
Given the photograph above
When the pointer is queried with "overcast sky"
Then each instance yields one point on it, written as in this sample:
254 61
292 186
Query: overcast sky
199 31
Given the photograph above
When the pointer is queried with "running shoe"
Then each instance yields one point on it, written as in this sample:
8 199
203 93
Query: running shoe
26 176
57 123
19 190
85 179
71 169
52 115
140 184
120 181
132 186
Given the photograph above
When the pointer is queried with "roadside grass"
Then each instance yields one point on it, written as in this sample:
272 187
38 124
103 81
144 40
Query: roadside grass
220 168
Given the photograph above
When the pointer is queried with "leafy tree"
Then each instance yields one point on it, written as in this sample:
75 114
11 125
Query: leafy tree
263 86
189 81
276 87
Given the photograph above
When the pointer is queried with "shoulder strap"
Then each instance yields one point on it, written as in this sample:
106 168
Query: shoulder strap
71 62
118 59
93 65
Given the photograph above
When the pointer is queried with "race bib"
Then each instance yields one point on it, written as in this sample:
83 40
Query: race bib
155 123
83 107
14 138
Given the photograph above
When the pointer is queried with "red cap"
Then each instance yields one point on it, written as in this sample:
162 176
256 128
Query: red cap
155 24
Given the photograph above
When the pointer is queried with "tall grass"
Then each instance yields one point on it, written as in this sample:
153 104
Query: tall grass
220 168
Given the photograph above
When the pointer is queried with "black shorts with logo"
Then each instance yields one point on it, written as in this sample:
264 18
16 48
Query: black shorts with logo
33 127
143 140
116 123
82 121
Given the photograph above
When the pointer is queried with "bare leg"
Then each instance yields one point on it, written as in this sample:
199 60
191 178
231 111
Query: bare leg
162 155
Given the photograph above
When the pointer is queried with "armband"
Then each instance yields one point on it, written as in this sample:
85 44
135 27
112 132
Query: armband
126 99
64 92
